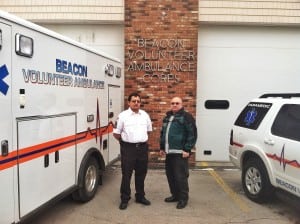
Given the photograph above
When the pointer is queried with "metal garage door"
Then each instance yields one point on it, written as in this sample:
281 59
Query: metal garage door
236 64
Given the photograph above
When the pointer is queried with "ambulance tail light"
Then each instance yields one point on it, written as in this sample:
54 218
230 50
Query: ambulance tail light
231 137
24 45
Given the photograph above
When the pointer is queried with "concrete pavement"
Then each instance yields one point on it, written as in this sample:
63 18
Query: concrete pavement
216 197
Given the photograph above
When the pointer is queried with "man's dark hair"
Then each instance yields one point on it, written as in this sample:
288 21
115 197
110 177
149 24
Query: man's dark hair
133 95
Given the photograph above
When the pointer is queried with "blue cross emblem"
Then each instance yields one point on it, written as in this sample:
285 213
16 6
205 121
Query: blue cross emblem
250 117
3 73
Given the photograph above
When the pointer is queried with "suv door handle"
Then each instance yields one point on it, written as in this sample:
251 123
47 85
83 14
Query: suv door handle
269 141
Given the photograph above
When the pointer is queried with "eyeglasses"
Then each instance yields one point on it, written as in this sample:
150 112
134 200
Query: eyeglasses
175 103
135 101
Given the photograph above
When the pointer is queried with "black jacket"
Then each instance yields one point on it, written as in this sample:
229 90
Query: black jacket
182 133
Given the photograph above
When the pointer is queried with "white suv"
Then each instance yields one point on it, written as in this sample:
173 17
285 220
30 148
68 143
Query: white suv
265 145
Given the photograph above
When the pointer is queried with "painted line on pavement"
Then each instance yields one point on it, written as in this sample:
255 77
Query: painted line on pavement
234 196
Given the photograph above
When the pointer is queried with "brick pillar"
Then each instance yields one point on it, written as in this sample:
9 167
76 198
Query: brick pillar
161 56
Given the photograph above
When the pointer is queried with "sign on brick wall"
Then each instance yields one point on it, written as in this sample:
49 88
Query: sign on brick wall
150 54
161 56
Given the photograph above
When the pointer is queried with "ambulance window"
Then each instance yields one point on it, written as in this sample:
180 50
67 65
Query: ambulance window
24 45
217 104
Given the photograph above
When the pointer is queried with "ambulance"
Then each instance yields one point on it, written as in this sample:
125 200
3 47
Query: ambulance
59 100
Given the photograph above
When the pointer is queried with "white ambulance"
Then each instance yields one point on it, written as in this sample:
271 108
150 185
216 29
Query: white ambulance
59 100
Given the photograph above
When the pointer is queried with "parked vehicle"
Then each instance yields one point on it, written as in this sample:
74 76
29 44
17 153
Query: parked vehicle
265 143
59 100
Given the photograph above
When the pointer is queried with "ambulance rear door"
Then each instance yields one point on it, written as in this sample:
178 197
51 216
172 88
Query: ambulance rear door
114 108
7 157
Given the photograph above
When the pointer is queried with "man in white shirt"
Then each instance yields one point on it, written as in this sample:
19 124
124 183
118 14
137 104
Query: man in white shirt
131 130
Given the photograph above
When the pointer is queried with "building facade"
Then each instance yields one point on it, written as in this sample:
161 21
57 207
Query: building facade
216 55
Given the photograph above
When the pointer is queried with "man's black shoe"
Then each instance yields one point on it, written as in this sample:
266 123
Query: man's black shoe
123 205
143 201
181 204
171 199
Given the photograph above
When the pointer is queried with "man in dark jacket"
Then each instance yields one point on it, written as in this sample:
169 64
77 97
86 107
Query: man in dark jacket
178 137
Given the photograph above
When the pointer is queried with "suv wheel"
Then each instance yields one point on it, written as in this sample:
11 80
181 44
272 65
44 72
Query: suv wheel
255 181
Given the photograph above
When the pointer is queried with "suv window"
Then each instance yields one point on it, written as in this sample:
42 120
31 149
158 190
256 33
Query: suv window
287 122
252 115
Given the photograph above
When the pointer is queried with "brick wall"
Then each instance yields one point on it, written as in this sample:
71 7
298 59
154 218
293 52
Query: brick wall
161 55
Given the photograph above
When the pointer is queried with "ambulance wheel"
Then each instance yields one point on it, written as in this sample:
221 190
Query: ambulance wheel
89 179
256 182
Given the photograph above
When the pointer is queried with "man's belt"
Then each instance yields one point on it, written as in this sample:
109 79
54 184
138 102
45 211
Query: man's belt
138 144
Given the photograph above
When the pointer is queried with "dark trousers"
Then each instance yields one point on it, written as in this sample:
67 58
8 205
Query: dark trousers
133 158
177 172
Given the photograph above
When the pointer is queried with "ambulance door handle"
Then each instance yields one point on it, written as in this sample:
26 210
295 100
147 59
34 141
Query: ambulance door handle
46 160
4 148
56 156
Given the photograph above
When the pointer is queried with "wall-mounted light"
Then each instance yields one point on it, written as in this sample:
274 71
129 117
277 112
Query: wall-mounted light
24 45
119 72
90 118
109 70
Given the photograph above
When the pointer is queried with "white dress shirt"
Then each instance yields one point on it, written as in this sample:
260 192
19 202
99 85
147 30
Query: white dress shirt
133 127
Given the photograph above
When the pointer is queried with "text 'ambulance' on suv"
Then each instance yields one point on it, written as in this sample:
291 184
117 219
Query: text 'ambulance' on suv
265 145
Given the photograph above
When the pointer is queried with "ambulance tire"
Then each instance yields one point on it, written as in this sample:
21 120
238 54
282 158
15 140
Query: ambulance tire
89 181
